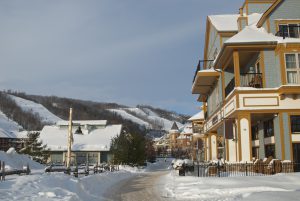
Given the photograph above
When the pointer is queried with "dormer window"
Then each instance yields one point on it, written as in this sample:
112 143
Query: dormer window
289 30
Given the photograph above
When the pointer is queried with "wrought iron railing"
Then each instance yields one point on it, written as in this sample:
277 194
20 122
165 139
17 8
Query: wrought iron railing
289 31
242 169
200 67
251 80
230 86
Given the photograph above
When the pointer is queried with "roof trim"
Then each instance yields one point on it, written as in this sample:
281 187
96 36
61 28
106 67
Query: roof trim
268 12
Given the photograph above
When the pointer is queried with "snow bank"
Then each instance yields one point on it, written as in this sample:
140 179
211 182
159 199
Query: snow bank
13 160
59 186
233 188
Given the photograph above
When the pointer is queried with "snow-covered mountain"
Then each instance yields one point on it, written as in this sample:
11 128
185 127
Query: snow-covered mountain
36 108
146 117
50 109
9 128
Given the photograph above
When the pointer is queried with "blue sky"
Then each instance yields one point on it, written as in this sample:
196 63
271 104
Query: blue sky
124 51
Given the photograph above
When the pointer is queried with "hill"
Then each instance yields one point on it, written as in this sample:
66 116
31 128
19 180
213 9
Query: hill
47 110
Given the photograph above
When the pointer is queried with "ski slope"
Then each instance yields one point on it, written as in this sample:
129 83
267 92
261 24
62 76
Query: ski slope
35 108
144 117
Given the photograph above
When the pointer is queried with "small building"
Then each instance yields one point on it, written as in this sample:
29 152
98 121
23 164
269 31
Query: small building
91 141
14 139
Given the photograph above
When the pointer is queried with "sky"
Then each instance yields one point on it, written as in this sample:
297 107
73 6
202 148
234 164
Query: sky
125 51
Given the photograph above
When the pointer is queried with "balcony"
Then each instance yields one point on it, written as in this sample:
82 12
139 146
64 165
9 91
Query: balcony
251 80
247 80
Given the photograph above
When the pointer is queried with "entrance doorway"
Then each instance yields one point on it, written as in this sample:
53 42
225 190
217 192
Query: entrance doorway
296 154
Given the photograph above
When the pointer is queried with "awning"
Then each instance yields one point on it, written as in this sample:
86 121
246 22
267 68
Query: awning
204 81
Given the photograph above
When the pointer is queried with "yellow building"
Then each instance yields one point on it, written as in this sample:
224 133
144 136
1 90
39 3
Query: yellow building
249 82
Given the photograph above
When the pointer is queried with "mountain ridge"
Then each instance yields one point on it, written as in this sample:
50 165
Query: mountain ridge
141 118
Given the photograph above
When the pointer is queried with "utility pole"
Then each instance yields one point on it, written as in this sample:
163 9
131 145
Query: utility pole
70 141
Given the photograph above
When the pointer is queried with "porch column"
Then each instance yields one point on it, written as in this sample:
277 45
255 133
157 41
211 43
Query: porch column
261 138
278 135
213 146
244 137
236 64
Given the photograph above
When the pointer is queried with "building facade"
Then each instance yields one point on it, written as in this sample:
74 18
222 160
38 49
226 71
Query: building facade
91 141
249 82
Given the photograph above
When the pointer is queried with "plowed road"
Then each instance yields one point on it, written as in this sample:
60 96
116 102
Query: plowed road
142 187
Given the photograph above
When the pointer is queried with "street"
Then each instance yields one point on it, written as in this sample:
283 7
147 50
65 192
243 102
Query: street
142 187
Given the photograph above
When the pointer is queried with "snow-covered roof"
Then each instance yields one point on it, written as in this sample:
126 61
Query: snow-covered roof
84 122
199 115
97 140
187 128
12 134
252 34
224 22
229 22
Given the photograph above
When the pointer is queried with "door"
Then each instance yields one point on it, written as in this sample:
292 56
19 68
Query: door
296 154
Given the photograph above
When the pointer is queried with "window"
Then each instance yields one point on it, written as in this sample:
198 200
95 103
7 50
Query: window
268 128
220 147
295 124
254 130
270 150
292 65
255 152
289 30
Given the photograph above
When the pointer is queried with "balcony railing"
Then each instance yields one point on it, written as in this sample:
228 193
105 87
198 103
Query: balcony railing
290 31
229 87
199 67
251 80
247 80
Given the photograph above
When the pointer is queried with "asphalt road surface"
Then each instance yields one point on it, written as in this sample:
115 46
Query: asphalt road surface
142 187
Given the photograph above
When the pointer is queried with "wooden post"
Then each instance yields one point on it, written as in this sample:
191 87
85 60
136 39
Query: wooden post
27 169
3 171
70 141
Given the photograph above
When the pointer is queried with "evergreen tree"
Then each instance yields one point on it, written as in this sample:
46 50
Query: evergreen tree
128 148
35 148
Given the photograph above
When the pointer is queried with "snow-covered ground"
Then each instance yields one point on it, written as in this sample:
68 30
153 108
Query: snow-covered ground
277 187
36 108
58 186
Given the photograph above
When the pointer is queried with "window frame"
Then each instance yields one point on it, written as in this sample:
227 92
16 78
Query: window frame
266 130
288 28
297 69
292 130
274 151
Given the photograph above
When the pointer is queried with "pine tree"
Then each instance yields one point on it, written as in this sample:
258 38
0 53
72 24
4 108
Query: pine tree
35 148
128 148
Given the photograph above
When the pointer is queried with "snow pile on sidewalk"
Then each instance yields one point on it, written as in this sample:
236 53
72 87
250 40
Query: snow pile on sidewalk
280 187
59 186
13 160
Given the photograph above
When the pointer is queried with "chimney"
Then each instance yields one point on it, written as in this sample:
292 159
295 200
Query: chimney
242 20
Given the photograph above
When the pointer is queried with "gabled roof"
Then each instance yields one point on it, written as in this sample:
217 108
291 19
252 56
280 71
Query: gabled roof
251 34
224 22
198 116
228 23
174 126
83 122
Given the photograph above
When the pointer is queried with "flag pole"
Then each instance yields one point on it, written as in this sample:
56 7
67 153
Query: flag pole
70 140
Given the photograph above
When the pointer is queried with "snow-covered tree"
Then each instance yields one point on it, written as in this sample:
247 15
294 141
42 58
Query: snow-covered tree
35 148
